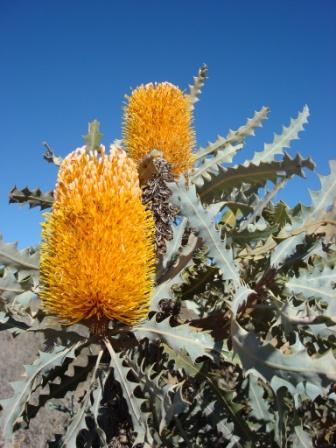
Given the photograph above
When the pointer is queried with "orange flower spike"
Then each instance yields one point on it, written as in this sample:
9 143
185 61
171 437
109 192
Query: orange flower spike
97 252
159 116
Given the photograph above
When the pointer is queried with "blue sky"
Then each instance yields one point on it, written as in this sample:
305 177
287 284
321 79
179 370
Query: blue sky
66 62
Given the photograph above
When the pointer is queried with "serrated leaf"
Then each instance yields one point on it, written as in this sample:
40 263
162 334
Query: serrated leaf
240 297
166 399
262 204
173 246
278 214
224 397
286 249
307 220
199 218
134 404
211 166
269 361
221 183
9 286
173 405
182 337
283 140
183 261
78 421
248 129
259 406
164 291
318 284
234 137
155 388
97 396
11 256
196 283
196 88
325 198
226 405
182 360
60 380
322 331
212 411
314 283
35 198
14 407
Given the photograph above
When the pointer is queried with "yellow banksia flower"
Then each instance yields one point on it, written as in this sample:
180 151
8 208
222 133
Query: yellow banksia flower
159 116
97 252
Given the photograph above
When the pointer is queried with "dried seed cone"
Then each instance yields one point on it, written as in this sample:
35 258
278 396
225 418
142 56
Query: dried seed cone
97 253
159 116
156 195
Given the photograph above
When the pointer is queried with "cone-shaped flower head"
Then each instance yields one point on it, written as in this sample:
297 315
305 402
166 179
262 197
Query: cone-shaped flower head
159 116
97 253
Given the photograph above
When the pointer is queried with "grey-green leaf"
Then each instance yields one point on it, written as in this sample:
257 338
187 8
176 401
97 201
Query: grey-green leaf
35 198
9 286
93 137
50 156
234 137
78 421
173 246
14 407
195 342
11 256
285 249
283 140
200 219
260 407
134 404
222 182
196 88
295 367
301 438
240 297
314 283
325 198
211 166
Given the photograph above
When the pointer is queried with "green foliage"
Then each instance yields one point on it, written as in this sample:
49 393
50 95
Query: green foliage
210 159
239 347
218 186
283 140
93 137
14 408
196 88
35 198
200 219
50 156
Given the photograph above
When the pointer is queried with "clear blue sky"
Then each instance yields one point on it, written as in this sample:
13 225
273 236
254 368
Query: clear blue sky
66 62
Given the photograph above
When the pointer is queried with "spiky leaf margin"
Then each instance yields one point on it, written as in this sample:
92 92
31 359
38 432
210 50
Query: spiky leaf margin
35 198
196 88
14 407
283 140
186 199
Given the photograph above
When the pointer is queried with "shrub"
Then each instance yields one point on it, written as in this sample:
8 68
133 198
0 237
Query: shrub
237 349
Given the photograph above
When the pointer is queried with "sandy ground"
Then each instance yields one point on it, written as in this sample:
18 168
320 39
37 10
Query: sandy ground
14 353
